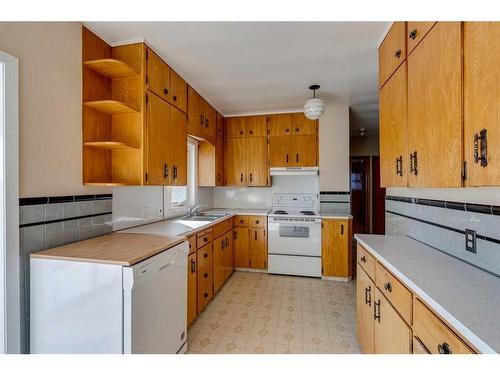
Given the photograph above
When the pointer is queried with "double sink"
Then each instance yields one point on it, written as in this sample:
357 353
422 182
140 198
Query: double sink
205 217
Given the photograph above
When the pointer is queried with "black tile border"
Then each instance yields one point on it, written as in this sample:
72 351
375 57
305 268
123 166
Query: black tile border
460 206
63 220
335 192
345 202
62 199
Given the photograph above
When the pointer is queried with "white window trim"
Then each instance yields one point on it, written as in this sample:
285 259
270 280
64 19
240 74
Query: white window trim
9 206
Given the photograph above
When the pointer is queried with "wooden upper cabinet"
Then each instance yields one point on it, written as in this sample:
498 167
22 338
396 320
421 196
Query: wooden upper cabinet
178 92
178 147
256 126
219 125
335 244
157 130
301 125
281 124
257 162
158 75
435 108
394 157
481 102
235 127
392 51
219 152
196 118
280 151
304 151
210 120
416 31
235 162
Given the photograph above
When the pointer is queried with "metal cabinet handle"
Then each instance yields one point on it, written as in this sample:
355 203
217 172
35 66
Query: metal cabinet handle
257 221
297 130
287 130
165 91
483 140
363 259
388 287
399 165
376 316
241 132
397 54
413 34
297 158
174 97
205 275
444 348
175 172
368 296
251 177
223 244
413 163
255 232
205 255
242 221
287 158
193 266
165 170
342 229
205 295
241 177
205 239
251 132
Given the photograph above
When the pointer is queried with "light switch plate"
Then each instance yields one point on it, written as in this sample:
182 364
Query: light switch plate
470 241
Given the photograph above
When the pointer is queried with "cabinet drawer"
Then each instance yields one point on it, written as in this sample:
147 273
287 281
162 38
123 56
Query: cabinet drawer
416 32
241 221
392 51
192 244
418 347
204 238
257 221
366 261
434 334
221 228
396 293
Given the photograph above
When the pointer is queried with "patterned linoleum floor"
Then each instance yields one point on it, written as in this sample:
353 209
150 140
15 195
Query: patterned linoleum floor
261 313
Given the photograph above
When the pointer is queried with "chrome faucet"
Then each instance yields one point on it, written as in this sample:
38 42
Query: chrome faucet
193 209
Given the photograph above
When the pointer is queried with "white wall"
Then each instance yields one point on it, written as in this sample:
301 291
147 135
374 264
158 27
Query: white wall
50 106
334 147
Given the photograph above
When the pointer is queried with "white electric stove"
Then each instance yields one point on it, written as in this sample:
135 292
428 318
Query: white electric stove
294 242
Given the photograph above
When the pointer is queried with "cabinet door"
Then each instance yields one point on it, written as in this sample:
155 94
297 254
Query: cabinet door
435 108
204 258
241 247
195 109
481 101
210 120
305 151
178 93
258 248
219 161
219 262
157 129
229 255
280 151
178 147
281 124
392 51
256 126
392 335
258 164
235 162
301 125
158 75
393 130
235 127
192 289
416 31
365 330
336 251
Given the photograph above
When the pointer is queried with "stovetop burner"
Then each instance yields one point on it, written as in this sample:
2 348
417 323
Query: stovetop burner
280 212
307 213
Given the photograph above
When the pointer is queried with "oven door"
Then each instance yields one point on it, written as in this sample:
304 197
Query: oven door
294 238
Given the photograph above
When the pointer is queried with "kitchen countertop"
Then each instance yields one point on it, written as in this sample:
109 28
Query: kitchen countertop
115 248
242 211
335 215
466 297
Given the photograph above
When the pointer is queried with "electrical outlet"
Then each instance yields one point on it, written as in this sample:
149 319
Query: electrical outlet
470 241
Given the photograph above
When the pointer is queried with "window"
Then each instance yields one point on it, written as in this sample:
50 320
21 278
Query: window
186 195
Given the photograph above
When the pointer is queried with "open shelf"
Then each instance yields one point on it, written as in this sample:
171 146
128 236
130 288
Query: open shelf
111 68
106 183
115 146
110 107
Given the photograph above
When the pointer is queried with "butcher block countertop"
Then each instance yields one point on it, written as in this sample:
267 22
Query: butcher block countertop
122 249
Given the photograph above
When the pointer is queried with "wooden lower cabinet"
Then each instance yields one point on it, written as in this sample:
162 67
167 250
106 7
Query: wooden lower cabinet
250 242
241 248
192 288
222 260
365 290
258 248
204 258
336 250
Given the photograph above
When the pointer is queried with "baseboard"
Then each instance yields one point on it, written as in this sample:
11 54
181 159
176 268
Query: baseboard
250 270
336 278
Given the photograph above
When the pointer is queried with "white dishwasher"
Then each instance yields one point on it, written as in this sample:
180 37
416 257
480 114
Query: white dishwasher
84 307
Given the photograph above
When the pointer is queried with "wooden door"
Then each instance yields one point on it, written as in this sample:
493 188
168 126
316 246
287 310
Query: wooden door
235 127
365 294
192 289
241 247
394 163
157 129
195 109
235 162
258 248
219 262
280 151
204 257
392 335
416 31
229 255
158 75
305 151
256 126
178 147
280 124
301 125
481 101
210 120
257 162
435 108
336 252
178 92
392 51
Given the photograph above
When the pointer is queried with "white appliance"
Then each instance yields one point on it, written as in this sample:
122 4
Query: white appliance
294 229
294 171
82 307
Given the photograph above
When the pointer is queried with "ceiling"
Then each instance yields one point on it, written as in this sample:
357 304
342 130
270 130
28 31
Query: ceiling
246 67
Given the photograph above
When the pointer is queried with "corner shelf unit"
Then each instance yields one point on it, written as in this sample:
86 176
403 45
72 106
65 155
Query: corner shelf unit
110 107
111 68
116 146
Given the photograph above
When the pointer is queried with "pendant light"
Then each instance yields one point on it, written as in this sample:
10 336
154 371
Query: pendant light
314 107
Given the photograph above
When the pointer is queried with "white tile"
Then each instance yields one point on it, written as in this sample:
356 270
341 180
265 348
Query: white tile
53 211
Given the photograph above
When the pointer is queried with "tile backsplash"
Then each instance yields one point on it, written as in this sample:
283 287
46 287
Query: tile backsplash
442 224
335 201
48 222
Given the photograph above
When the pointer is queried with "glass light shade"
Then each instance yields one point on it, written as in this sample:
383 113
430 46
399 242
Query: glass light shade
314 108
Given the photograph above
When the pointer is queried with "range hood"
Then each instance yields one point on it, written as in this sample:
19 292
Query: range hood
294 171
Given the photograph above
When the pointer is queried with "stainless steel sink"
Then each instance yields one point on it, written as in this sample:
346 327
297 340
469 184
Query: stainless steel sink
211 214
202 218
